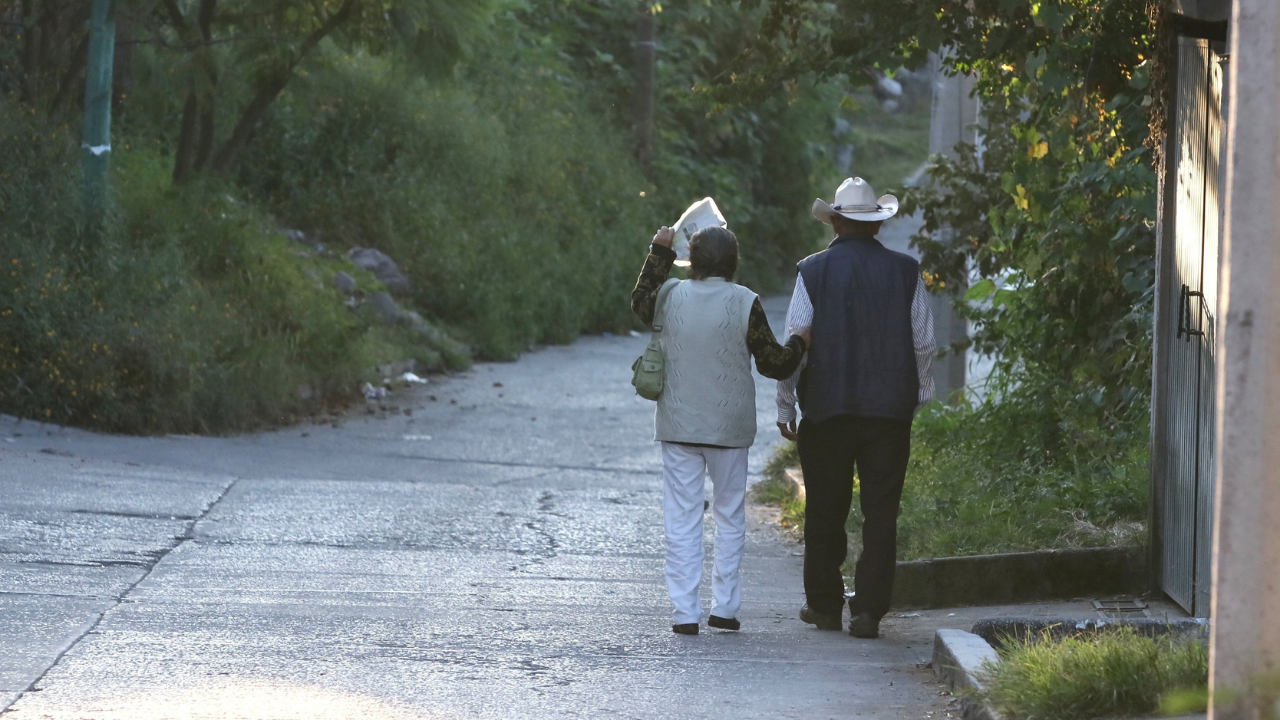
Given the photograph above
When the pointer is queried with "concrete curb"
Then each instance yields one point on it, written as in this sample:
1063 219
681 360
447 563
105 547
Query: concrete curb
958 656
995 630
1019 577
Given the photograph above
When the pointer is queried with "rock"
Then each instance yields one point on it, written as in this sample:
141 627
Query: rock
383 268
420 326
446 346
344 282
917 85
386 306
396 369
886 87
297 236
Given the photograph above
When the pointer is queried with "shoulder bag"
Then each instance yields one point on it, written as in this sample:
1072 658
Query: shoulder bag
648 372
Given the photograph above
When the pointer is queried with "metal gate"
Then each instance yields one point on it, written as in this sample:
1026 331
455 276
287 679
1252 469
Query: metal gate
1186 314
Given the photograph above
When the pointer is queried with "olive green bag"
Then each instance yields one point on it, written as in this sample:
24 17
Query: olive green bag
648 372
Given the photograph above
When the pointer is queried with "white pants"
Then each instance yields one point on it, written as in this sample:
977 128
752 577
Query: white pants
683 470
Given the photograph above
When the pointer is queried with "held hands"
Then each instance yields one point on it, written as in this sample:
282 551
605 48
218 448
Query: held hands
665 237
791 430
806 335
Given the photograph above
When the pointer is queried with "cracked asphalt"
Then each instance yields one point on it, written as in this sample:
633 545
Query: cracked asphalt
485 546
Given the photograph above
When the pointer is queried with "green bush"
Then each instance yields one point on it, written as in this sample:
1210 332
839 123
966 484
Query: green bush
185 312
1113 674
518 219
978 483
976 486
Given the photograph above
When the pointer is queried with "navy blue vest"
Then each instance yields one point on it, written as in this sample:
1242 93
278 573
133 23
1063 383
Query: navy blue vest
863 359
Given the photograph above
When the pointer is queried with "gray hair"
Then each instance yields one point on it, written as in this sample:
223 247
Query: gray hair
713 252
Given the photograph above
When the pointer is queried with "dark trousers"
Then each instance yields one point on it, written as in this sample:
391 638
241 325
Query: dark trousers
830 451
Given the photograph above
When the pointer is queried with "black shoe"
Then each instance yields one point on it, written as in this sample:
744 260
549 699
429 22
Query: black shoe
685 628
822 620
864 625
716 621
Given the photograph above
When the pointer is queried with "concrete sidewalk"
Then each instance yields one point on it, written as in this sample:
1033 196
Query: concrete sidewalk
497 553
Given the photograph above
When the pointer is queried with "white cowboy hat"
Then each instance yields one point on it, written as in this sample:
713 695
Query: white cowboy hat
857 201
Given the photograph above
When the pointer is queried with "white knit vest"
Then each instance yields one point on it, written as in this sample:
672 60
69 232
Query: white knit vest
710 395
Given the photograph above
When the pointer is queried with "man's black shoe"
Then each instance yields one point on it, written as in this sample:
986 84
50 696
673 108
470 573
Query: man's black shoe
716 621
685 628
864 625
822 620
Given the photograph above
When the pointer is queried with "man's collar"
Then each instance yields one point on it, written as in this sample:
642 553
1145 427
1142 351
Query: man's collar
858 236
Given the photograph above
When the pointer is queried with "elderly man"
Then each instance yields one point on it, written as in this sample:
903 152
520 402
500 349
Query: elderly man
866 375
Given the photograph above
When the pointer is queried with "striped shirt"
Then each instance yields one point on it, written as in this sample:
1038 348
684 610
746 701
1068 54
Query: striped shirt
800 316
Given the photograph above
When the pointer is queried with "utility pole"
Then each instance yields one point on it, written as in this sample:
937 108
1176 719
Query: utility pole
1245 633
646 51
96 132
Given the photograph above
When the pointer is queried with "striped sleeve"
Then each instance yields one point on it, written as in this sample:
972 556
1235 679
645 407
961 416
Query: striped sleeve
925 344
799 316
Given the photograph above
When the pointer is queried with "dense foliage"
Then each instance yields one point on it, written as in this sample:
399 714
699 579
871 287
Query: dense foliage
1056 214
189 313
1050 223
1044 233
518 217
762 158
484 145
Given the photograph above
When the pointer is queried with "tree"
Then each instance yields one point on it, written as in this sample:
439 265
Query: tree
1055 212
272 39
756 154
237 53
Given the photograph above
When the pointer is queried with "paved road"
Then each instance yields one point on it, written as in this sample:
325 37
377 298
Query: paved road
487 546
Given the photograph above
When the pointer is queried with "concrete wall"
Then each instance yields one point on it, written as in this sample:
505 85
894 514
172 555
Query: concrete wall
955 111
1246 570
955 116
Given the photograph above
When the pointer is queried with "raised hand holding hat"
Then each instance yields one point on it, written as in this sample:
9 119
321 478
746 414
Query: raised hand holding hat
700 215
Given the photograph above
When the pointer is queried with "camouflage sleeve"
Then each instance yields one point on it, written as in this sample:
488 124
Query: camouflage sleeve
772 360
656 268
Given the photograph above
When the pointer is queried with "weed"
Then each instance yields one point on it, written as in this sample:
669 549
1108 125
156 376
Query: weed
1112 674
775 490
969 491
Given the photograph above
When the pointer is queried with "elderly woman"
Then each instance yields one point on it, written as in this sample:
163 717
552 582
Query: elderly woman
706 416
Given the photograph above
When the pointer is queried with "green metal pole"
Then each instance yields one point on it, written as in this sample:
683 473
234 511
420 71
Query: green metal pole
96 134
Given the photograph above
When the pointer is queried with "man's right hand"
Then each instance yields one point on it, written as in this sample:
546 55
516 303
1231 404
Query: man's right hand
790 430
665 237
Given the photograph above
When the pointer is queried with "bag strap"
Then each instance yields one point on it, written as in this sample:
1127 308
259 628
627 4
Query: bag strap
663 292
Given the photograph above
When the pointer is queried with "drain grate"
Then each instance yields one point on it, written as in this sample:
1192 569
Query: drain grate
1121 608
